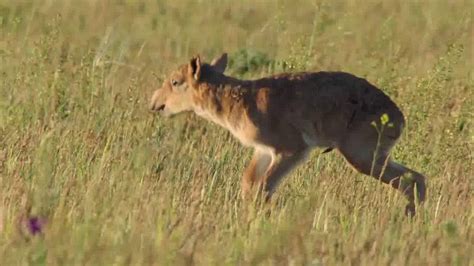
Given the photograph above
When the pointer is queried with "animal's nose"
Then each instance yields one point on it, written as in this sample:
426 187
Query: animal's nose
157 107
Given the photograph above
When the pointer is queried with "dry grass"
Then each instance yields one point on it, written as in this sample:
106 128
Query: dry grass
119 186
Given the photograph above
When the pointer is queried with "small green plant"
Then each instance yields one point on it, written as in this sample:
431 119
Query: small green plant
247 61
384 121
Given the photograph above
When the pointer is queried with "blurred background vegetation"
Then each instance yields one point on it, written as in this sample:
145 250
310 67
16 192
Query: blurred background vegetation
120 186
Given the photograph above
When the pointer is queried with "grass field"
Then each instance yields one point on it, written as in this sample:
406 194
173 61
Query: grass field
119 186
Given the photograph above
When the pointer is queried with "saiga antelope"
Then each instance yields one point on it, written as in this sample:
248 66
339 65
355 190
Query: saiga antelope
284 116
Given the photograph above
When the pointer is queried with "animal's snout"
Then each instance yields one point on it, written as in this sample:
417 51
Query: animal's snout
157 107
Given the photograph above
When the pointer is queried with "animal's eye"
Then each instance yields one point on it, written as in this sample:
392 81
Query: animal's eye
174 82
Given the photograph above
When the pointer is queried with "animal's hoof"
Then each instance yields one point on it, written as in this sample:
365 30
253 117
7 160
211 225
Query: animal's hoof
410 210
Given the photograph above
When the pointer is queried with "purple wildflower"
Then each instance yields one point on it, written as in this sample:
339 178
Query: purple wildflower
32 226
35 225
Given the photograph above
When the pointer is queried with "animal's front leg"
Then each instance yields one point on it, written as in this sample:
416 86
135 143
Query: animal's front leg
279 168
254 172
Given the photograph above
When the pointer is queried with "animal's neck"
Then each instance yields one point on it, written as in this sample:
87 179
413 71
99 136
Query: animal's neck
220 99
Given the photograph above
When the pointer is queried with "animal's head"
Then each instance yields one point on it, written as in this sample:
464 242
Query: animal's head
177 91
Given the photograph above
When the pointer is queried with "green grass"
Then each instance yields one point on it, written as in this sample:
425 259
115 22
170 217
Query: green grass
120 186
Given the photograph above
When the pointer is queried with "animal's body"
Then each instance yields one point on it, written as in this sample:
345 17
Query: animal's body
284 116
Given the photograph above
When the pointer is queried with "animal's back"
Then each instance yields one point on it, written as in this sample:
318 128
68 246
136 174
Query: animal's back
325 106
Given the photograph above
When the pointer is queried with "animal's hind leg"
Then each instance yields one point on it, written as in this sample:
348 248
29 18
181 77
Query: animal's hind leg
372 158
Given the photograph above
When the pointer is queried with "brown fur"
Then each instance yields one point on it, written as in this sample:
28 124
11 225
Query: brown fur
283 116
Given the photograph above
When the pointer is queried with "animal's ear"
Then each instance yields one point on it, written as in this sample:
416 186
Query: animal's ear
194 67
220 63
